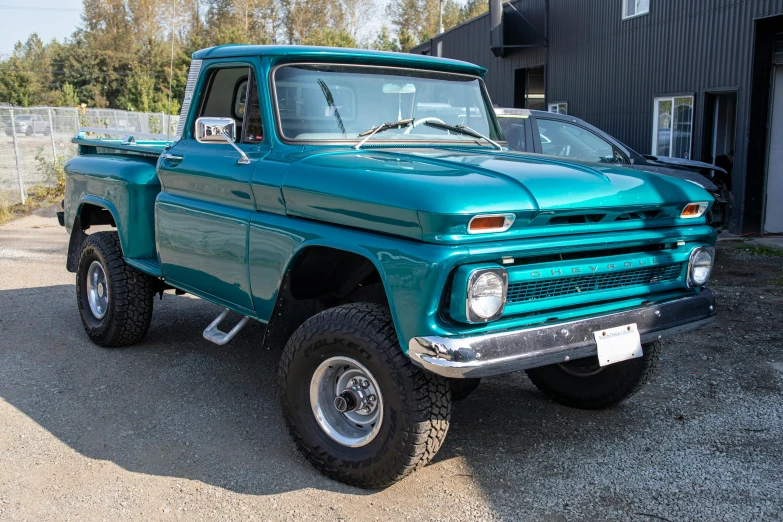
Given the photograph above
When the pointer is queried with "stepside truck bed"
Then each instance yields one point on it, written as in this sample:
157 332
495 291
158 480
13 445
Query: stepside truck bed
120 177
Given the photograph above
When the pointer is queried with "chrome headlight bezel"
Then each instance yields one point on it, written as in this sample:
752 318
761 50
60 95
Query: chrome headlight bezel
461 297
693 262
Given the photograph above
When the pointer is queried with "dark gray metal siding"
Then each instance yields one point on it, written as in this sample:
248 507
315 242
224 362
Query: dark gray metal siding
609 70
470 42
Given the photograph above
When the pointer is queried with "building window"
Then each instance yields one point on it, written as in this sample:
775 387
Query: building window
632 8
559 108
673 127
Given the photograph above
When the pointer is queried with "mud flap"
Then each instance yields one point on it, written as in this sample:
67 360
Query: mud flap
75 245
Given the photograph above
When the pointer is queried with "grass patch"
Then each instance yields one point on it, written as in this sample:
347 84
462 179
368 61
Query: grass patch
39 196
761 250
11 212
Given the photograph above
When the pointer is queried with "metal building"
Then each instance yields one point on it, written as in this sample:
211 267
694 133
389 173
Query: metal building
698 79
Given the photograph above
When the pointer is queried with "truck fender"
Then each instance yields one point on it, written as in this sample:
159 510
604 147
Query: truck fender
290 312
77 230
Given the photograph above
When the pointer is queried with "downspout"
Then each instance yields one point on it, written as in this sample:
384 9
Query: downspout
546 57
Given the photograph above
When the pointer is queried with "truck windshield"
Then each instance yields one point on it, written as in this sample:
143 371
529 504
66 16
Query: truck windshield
327 102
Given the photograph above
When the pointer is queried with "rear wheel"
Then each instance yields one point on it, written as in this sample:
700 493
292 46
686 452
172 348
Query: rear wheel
115 300
355 405
585 384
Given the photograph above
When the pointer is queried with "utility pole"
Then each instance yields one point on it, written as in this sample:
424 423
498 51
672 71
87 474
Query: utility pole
440 16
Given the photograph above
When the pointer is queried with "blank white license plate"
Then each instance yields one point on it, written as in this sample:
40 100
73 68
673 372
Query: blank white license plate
618 344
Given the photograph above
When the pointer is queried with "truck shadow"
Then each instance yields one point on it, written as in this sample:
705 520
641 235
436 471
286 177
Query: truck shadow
176 405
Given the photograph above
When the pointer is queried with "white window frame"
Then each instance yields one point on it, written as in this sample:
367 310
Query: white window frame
671 125
556 106
636 13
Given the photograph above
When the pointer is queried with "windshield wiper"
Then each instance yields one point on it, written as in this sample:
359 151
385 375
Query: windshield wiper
369 133
462 129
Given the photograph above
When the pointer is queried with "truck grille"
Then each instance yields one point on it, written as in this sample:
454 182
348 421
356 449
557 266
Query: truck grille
562 286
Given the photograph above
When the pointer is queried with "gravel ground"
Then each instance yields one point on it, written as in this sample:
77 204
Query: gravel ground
177 428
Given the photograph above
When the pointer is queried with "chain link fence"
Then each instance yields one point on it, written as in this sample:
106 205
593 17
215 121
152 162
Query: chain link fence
35 139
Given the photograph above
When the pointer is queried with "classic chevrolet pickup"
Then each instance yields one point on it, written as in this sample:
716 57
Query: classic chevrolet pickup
364 206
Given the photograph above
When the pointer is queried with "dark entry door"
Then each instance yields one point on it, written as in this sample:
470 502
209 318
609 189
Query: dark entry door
773 210
720 118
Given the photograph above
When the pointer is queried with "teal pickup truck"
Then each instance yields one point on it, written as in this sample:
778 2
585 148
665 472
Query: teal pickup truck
364 206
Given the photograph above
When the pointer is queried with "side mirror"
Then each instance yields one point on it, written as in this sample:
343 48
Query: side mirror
219 130
211 130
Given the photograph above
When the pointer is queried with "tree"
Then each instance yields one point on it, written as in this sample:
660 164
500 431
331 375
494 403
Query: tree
417 20
384 41
472 9
330 38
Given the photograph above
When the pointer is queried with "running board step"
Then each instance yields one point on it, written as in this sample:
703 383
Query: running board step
219 337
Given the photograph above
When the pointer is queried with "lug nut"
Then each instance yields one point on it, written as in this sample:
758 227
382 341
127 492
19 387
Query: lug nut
371 398
365 384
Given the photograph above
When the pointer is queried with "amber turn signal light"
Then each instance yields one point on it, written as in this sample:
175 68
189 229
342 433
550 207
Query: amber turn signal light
694 210
490 223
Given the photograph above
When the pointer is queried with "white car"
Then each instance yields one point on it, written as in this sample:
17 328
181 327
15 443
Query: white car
29 124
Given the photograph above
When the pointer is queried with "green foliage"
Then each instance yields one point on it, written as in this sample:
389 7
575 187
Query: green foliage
330 38
121 54
416 21
761 250
39 196
54 173
385 42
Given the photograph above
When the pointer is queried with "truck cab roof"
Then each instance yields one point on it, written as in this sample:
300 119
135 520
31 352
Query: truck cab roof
284 53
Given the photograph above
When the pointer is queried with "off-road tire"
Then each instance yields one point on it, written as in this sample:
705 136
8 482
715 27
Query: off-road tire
462 388
417 404
606 387
129 310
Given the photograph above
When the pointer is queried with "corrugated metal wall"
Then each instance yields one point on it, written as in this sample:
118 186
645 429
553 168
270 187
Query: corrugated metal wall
610 70
470 42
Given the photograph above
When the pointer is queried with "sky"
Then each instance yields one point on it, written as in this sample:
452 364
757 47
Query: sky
49 18
55 19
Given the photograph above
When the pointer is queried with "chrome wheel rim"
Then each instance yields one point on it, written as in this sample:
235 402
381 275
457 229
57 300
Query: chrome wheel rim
97 290
335 380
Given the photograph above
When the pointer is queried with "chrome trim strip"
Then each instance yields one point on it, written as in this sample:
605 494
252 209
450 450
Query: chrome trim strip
509 220
190 86
503 352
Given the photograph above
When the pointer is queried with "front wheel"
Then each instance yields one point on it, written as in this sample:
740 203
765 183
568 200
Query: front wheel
115 300
355 405
585 384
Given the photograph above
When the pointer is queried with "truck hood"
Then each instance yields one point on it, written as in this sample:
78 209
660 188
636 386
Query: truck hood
431 194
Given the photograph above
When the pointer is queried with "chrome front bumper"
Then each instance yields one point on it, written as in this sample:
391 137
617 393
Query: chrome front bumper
510 351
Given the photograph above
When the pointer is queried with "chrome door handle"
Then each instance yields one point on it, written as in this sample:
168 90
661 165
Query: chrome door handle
171 157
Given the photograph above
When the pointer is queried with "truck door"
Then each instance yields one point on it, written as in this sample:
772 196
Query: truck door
204 208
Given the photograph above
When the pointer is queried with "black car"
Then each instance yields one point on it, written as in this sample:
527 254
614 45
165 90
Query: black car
564 136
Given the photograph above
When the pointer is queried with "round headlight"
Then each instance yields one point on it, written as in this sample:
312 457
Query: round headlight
701 266
486 296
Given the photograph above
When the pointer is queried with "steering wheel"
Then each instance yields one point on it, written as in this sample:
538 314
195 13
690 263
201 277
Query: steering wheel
418 122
